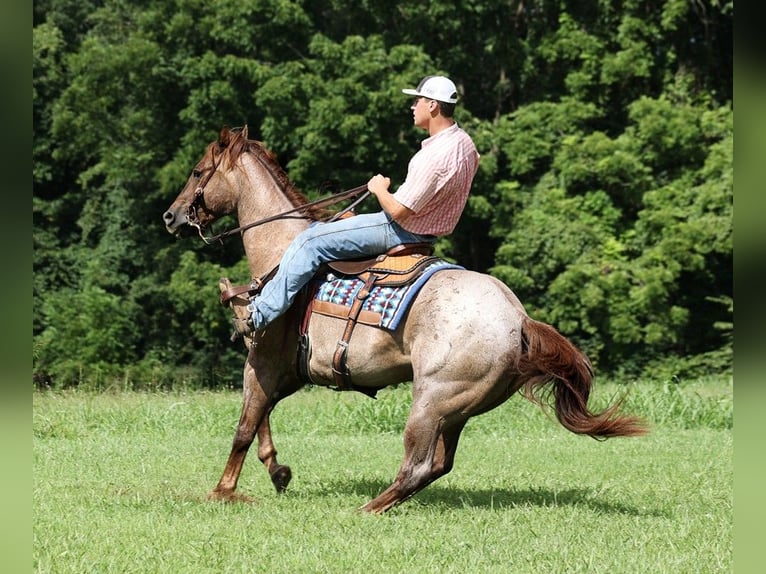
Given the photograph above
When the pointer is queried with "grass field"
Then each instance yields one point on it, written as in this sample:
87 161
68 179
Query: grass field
120 481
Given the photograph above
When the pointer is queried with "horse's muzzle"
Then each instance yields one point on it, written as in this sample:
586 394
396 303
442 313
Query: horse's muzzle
173 221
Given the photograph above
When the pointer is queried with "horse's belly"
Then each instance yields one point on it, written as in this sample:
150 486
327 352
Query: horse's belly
375 356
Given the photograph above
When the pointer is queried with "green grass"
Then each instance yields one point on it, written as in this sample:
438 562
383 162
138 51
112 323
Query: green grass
120 482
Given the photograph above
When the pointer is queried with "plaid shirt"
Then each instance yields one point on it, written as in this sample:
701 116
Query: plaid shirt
438 180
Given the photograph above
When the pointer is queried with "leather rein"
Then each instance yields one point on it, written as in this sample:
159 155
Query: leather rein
193 220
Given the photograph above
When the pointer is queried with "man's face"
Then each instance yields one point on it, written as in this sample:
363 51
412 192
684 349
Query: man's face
421 111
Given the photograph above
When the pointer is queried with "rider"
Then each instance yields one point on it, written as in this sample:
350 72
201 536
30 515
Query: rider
426 206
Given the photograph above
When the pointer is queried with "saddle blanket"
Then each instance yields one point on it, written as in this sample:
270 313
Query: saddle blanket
388 304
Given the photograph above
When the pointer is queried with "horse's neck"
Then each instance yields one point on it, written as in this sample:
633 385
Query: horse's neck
260 198
265 246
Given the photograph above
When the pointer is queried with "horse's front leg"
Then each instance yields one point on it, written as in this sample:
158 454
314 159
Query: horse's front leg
267 453
256 405
254 413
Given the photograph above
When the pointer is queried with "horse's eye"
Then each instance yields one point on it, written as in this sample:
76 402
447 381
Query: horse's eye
197 174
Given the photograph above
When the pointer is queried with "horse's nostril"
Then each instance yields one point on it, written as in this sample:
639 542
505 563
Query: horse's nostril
168 217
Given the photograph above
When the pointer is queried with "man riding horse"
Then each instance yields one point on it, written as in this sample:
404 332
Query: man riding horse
465 342
426 206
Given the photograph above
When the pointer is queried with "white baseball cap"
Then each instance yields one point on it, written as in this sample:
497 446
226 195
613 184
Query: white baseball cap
435 88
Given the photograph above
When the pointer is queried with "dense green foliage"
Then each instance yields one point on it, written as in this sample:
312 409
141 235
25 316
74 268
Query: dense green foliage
604 197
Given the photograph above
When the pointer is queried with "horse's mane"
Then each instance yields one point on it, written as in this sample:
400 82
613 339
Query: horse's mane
234 143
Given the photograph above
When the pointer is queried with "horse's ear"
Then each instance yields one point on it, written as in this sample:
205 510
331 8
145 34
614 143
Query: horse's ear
223 137
244 131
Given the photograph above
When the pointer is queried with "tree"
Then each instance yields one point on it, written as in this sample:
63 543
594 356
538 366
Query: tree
617 244
603 195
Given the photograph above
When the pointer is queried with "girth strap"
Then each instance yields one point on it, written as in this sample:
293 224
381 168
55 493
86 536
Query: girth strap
304 342
340 371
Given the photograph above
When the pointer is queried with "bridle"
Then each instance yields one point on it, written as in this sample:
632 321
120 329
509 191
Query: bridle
193 220
191 210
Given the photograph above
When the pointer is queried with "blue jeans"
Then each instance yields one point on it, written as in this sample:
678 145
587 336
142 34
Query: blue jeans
358 236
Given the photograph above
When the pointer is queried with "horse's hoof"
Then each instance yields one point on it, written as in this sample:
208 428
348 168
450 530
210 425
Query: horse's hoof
367 509
281 477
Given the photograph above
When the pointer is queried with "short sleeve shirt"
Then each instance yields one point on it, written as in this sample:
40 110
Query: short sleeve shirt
439 177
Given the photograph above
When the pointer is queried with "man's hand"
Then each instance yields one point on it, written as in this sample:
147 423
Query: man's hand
378 186
378 183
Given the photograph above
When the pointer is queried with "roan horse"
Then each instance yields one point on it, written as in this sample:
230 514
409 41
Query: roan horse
466 344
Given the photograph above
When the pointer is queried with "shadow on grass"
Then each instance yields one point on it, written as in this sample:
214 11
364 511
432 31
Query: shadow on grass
438 496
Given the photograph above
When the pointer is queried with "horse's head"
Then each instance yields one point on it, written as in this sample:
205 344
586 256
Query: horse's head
208 195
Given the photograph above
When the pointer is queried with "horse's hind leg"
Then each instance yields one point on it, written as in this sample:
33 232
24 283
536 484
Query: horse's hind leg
429 453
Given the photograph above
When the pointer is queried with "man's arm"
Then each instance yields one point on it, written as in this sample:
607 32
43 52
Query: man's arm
378 186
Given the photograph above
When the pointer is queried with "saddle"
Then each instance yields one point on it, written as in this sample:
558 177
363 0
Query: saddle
397 267
404 270
392 261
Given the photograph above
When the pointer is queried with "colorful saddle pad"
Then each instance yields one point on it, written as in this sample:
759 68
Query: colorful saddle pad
384 307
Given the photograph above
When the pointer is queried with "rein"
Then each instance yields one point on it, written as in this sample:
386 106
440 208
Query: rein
193 220
330 200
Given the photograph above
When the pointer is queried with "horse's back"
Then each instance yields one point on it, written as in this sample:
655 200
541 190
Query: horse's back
464 299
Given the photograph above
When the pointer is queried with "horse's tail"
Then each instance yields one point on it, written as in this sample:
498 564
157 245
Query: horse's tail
549 357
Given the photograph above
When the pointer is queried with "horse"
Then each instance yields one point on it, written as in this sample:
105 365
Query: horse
466 343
